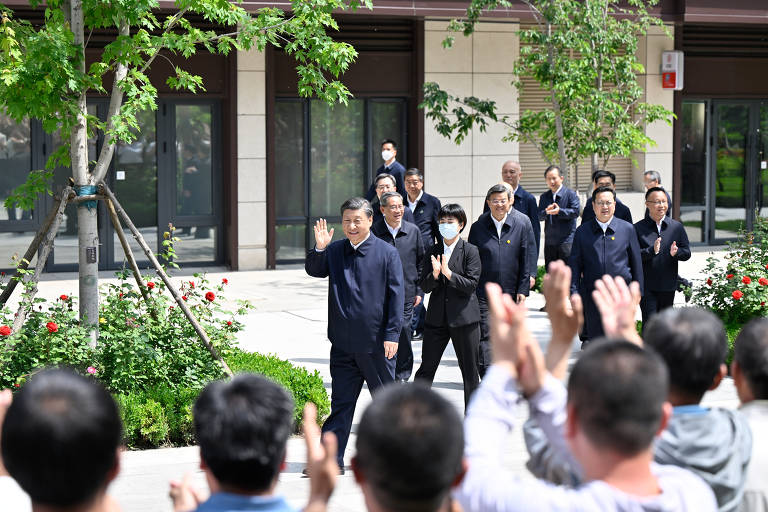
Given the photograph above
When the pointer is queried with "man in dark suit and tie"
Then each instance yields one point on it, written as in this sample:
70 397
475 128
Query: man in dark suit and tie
504 238
365 310
382 184
558 208
603 245
425 208
663 242
390 166
406 238
602 178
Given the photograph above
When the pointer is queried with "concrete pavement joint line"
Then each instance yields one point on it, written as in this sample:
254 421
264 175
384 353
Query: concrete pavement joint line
302 317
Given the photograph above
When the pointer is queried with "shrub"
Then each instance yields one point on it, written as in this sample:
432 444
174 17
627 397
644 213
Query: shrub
736 289
540 271
304 386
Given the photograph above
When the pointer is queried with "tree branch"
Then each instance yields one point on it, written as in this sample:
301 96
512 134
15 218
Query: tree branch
108 149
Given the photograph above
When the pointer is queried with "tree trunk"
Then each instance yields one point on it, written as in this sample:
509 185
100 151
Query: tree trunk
556 108
88 235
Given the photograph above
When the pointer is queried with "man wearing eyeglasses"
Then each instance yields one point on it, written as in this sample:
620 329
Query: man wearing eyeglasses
504 237
603 245
663 242
406 238
384 183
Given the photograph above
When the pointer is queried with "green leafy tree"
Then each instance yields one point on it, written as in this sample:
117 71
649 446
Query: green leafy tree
583 53
43 75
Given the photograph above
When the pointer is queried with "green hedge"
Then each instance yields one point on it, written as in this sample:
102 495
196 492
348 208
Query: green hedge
162 416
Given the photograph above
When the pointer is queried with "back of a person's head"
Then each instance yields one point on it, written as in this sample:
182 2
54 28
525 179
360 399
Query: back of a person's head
693 343
617 390
410 445
61 437
242 426
751 352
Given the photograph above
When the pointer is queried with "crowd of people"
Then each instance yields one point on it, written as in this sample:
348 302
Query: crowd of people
624 430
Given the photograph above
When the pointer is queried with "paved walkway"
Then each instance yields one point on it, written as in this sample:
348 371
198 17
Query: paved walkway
290 321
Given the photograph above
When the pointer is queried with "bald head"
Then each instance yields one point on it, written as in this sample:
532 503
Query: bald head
511 173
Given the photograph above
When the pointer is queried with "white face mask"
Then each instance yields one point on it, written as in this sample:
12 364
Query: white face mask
449 230
387 154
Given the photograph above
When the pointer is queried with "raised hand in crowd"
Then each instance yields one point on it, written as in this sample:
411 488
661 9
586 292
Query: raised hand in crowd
322 467
566 316
617 304
323 237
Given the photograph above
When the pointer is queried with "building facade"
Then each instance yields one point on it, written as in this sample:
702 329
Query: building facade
244 169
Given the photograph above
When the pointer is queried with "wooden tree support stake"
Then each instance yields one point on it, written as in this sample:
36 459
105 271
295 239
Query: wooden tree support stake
33 247
45 250
148 252
129 256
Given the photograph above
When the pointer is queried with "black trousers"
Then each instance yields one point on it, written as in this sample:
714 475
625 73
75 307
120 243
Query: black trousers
556 252
404 366
466 339
419 315
348 371
653 302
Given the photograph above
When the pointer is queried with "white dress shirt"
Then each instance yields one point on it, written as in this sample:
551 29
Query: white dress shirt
604 225
499 224
412 205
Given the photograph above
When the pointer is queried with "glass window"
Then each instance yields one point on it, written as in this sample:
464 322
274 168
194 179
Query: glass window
13 245
15 163
194 177
291 241
694 161
289 159
198 244
386 123
337 155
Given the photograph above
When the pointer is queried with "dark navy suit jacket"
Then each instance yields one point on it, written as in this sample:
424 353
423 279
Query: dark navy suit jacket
398 171
508 260
660 270
595 254
411 249
525 203
559 229
365 293
622 212
426 217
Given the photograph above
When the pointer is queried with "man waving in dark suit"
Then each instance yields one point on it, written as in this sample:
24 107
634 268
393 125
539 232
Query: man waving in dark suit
663 242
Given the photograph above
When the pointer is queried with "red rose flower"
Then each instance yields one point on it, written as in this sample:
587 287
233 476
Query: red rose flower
52 327
17 385
763 281
225 281
3 273
5 330
746 280
210 296
229 322
171 307
184 297
150 285
63 297
191 284
762 303
729 276
709 281
737 294
121 295
766 267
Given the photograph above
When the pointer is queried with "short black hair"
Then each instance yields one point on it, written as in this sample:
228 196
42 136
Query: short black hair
410 444
384 199
498 189
60 438
655 189
553 168
693 343
357 203
453 210
242 426
413 171
617 390
389 141
384 175
601 173
600 190
751 352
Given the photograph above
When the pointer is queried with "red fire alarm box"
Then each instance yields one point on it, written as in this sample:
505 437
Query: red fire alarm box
672 70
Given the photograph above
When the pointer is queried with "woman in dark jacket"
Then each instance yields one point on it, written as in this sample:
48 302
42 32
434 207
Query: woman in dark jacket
450 272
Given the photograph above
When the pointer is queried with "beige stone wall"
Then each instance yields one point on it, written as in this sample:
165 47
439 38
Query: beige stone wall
251 161
480 65
659 157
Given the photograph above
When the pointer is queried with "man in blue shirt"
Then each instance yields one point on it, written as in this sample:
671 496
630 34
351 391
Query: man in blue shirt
390 166
366 298
558 208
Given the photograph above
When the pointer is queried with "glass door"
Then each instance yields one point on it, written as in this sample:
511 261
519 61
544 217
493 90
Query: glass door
693 186
761 191
732 161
